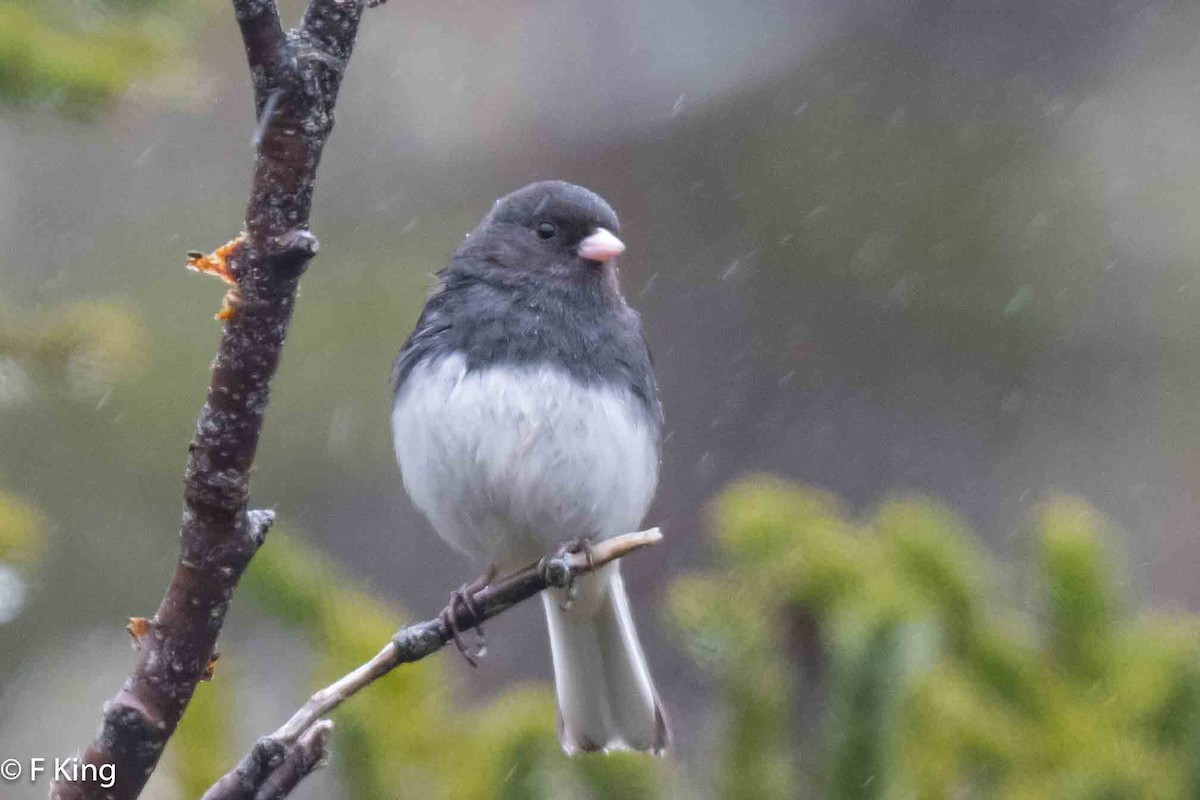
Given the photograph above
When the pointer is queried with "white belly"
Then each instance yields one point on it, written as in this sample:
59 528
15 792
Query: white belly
507 461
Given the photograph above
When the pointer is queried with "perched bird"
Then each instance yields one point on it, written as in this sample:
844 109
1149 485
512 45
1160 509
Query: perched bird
526 413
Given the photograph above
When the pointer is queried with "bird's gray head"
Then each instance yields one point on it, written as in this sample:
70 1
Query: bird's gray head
550 226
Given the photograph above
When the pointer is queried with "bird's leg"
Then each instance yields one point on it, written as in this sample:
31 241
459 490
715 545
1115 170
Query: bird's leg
466 595
580 545
447 620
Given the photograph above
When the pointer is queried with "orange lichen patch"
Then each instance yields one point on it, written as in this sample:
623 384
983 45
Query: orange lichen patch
210 668
217 262
138 627
228 305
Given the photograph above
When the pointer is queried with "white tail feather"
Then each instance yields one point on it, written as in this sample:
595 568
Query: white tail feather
606 698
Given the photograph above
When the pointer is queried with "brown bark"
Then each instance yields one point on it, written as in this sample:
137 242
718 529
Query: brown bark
296 77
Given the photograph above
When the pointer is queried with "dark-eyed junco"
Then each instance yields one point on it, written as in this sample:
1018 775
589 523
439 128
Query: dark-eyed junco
526 413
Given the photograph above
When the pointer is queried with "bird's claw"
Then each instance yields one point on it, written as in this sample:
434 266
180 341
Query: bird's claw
449 623
449 618
581 545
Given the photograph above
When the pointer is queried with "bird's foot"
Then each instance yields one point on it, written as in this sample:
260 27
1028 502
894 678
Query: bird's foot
449 617
580 545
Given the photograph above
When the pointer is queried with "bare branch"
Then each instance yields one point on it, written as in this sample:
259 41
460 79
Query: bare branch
303 70
325 22
307 755
413 643
263 37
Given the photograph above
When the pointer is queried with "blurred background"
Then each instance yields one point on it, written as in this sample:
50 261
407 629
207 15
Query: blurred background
934 249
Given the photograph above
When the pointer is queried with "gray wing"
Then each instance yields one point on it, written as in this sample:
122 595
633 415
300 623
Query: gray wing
430 332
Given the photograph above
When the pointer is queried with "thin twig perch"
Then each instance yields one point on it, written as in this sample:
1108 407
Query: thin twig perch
287 746
296 76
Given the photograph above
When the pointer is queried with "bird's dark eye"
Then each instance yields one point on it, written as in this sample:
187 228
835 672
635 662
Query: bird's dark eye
546 230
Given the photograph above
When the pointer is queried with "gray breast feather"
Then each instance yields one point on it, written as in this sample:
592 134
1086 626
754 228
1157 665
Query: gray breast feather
508 459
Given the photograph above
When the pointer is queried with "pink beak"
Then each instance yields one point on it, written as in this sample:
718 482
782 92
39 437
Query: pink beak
601 246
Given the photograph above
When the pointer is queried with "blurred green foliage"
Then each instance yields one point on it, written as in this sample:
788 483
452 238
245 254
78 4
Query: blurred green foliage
76 56
407 737
22 531
90 345
86 347
22 544
933 682
937 685
23 527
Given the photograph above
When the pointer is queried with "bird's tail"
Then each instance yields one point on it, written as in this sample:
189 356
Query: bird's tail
606 699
